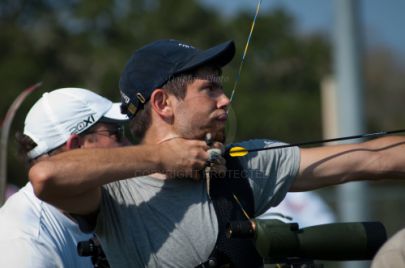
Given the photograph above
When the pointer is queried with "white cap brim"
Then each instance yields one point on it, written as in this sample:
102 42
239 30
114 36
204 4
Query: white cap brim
114 114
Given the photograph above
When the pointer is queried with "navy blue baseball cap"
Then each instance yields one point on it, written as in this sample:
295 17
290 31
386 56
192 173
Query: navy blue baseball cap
151 66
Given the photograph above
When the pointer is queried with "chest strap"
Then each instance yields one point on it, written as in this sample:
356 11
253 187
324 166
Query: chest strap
232 252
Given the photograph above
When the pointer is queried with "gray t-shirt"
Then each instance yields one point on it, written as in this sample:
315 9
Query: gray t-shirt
146 222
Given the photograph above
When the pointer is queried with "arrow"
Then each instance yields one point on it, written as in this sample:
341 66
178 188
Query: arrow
239 151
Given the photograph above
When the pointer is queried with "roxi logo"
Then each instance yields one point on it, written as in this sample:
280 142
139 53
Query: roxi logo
83 124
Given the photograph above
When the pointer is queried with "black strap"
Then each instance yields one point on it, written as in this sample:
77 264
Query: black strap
232 252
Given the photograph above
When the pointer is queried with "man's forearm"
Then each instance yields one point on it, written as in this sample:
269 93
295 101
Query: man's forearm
382 158
81 172
78 171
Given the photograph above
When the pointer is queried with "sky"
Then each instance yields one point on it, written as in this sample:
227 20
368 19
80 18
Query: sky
383 22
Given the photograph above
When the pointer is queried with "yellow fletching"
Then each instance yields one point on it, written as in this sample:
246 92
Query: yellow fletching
238 151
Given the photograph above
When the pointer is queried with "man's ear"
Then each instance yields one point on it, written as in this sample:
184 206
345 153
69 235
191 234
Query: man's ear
73 142
161 103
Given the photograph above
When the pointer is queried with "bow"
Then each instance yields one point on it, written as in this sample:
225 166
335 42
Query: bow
5 128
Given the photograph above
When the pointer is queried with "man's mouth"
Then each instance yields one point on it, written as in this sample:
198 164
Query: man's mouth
222 117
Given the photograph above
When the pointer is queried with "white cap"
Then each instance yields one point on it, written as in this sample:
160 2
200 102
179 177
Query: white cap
62 112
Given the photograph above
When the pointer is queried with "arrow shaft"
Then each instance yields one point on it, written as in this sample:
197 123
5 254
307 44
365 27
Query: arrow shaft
366 135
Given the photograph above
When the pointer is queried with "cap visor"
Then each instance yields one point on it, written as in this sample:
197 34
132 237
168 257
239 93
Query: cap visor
114 115
219 55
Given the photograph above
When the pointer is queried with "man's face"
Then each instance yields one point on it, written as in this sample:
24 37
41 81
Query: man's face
203 110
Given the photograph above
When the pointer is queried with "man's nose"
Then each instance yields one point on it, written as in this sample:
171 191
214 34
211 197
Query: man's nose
223 101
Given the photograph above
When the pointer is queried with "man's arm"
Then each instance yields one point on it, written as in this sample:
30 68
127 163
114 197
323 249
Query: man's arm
382 158
72 180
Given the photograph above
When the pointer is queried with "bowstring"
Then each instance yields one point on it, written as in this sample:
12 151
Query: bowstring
244 53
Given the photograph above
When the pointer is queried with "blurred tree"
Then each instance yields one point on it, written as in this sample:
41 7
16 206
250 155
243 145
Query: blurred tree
280 80
384 77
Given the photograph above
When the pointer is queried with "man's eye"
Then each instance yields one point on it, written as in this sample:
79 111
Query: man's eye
208 88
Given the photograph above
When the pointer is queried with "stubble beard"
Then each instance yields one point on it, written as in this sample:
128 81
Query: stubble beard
217 134
220 136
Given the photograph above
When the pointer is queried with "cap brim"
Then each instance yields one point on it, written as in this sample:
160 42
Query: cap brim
114 115
219 55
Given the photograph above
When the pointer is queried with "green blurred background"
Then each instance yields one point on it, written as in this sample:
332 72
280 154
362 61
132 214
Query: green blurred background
87 43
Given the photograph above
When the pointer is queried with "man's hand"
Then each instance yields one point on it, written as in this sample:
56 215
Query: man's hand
216 161
181 158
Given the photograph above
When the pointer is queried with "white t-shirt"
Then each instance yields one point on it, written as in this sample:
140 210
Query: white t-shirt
34 234
146 222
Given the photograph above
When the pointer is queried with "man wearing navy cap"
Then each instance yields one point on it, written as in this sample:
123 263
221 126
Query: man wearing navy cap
172 90
171 67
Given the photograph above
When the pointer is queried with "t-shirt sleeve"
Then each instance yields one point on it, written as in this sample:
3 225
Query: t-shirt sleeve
24 253
270 172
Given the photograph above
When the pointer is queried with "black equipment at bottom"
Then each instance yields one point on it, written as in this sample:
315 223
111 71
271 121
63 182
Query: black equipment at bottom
280 242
